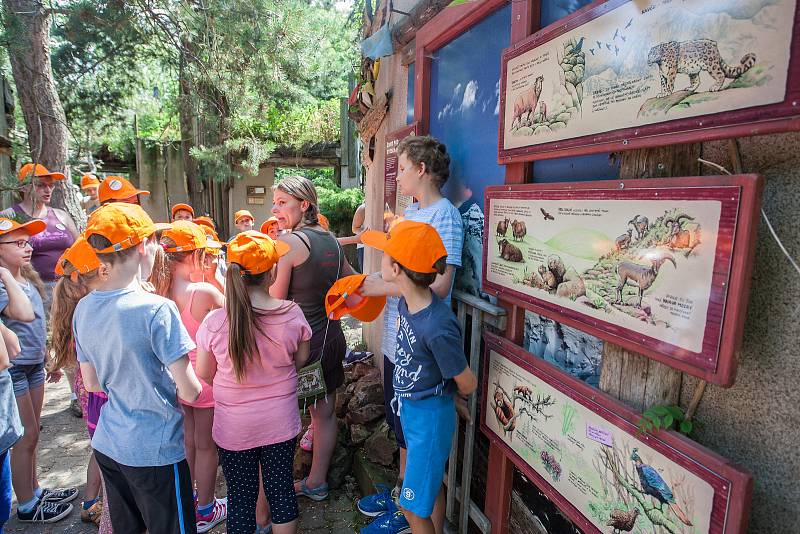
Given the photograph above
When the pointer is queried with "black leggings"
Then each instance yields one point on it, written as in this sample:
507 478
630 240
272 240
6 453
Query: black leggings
241 474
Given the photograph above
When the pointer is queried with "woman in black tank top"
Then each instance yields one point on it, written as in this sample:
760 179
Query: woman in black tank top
305 275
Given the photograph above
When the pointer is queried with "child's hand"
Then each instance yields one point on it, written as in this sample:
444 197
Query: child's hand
462 409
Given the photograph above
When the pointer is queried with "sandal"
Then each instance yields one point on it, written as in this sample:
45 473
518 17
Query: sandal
307 441
320 493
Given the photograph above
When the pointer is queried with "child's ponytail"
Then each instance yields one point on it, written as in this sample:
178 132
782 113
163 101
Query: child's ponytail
66 294
242 347
161 275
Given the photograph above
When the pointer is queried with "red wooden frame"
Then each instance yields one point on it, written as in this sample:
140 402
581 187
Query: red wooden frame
773 118
733 487
740 197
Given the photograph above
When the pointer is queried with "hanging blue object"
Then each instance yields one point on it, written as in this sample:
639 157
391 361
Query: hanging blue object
379 44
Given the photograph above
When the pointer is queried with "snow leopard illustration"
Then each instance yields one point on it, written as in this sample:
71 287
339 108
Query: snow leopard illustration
692 57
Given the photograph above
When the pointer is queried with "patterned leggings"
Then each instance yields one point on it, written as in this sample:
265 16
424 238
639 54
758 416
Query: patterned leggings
241 474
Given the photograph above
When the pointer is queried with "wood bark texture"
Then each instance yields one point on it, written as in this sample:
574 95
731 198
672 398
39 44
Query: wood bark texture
28 26
635 379
194 186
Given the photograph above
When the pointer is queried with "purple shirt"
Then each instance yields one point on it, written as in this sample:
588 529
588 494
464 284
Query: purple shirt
49 245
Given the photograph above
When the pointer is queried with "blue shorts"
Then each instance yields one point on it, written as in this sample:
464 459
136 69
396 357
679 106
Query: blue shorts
392 419
26 377
428 425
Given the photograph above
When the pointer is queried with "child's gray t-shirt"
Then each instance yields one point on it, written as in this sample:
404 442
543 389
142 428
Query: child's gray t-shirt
130 337
32 335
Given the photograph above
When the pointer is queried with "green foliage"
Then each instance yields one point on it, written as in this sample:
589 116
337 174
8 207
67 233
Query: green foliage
667 418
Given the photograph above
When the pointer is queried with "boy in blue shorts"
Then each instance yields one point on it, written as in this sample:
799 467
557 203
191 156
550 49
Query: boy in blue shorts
132 345
430 368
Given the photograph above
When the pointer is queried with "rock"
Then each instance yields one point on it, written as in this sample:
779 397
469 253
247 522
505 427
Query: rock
366 414
526 130
572 289
541 129
566 67
578 70
358 434
357 371
342 400
571 274
368 390
342 459
381 446
571 77
350 388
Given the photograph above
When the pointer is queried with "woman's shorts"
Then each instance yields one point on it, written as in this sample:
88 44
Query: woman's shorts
332 355
26 377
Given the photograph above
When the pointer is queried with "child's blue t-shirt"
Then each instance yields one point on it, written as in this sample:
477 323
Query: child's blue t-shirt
130 337
32 335
429 352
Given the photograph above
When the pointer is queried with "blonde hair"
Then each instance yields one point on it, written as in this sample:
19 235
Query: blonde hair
69 289
302 189
165 262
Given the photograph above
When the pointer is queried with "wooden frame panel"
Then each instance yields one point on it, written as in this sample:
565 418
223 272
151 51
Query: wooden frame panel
732 487
739 201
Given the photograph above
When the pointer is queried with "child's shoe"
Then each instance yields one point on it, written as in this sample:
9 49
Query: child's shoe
93 513
320 493
264 530
375 504
217 516
45 512
390 522
62 495
307 441
355 356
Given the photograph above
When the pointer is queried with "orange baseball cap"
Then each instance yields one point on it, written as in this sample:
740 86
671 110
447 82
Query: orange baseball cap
323 221
255 252
265 226
206 221
117 188
80 256
187 236
38 170
125 225
344 298
32 227
242 214
414 245
181 206
89 180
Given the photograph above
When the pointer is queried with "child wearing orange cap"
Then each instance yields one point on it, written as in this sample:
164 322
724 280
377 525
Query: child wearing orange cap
182 212
21 294
80 272
89 186
243 220
251 351
132 345
270 227
178 265
430 368
118 189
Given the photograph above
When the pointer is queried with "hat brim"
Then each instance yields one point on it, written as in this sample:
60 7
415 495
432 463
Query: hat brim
374 239
160 226
32 228
53 175
182 207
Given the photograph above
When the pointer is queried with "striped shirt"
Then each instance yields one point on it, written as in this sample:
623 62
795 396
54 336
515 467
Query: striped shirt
443 216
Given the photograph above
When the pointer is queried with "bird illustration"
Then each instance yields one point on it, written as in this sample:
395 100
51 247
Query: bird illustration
622 521
616 32
624 39
591 50
547 216
599 45
616 50
608 46
655 486
577 47
628 25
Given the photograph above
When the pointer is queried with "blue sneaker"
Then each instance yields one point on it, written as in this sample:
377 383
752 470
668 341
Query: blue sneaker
377 503
390 522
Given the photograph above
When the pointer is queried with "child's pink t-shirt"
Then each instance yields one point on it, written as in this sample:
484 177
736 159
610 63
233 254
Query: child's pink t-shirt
263 409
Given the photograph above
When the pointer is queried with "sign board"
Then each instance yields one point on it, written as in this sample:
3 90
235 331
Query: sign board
658 266
582 449
395 202
619 75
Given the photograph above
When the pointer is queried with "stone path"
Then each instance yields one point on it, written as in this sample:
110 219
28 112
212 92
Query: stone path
63 456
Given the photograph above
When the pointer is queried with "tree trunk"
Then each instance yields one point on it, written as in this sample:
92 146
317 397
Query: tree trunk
194 186
28 27
635 379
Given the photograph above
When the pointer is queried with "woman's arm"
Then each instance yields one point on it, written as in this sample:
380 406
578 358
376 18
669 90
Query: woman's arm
19 305
280 288
302 354
89 375
206 365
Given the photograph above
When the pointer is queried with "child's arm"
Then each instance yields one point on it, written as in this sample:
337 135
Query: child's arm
89 375
10 341
375 286
302 354
466 382
189 386
441 286
19 305
206 365
5 363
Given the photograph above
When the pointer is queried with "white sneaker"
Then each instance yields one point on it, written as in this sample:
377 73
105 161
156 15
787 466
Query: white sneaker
217 516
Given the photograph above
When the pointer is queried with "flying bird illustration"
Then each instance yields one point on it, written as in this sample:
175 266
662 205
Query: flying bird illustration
591 50
547 216
616 50
628 25
654 485
623 38
608 46
577 47
599 44
616 32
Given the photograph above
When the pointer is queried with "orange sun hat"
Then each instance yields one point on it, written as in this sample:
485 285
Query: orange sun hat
89 180
32 227
188 236
265 226
125 225
345 298
117 188
181 206
241 214
38 170
255 252
80 256
414 245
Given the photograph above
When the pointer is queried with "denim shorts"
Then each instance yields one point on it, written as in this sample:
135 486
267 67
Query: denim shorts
26 377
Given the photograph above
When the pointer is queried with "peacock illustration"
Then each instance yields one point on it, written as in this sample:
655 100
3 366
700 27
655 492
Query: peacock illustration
654 485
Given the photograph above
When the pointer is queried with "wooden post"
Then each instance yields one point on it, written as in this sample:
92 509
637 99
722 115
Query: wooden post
634 379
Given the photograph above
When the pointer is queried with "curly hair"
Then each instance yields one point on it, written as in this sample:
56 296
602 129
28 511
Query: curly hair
426 149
